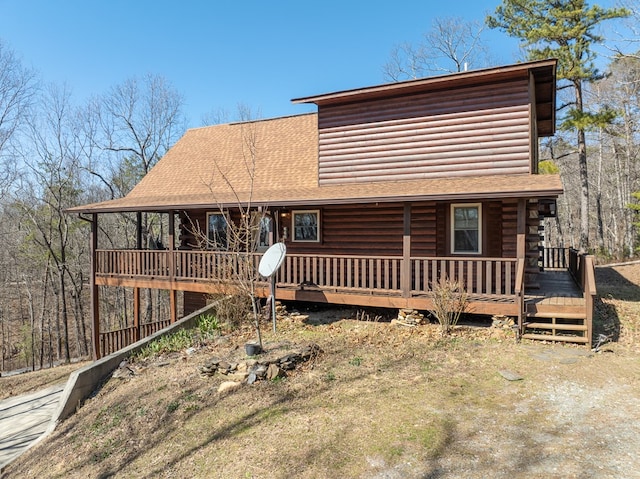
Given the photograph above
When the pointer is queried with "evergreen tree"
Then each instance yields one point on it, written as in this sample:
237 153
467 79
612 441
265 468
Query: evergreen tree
563 29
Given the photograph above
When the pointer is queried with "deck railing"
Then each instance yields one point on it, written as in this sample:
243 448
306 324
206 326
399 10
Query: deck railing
111 341
555 258
479 276
383 274
340 272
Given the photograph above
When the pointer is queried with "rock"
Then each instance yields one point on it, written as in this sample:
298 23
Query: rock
228 386
242 367
260 370
238 376
123 373
273 372
510 375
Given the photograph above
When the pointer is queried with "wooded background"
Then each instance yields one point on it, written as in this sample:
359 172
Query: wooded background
55 154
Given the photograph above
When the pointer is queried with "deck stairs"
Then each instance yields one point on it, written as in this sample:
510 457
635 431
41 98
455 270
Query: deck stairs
568 324
557 311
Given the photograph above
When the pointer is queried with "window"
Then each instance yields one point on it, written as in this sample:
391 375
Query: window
218 230
263 232
466 235
306 226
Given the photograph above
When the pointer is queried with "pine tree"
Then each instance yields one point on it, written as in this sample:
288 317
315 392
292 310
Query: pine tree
563 29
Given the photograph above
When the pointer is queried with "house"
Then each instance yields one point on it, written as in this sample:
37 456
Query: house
377 195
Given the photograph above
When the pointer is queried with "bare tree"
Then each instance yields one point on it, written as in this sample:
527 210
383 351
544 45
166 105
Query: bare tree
51 185
17 89
132 126
451 45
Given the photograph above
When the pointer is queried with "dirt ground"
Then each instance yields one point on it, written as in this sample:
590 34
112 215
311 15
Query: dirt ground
380 401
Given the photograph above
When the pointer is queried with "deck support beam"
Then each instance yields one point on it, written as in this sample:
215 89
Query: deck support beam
405 268
172 267
95 292
136 291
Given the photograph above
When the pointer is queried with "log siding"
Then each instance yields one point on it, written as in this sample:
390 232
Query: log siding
480 130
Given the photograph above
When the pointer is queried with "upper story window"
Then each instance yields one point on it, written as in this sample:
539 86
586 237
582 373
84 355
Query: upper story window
218 230
306 225
466 228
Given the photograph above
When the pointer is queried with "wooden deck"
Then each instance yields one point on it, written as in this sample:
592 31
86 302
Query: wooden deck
559 308
557 288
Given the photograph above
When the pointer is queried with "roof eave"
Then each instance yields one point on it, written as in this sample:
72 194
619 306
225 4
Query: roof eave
420 84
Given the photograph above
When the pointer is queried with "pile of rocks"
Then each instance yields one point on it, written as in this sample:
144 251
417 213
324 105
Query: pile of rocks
501 321
252 370
283 314
409 317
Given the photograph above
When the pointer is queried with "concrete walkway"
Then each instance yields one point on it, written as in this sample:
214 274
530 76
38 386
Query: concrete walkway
24 419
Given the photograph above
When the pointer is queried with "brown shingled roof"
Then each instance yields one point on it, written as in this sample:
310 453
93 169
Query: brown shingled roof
198 171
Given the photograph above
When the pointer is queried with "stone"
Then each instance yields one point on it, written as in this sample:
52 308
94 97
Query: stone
260 370
238 376
228 386
274 372
510 375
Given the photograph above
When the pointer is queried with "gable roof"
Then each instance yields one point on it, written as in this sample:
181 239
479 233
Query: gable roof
275 163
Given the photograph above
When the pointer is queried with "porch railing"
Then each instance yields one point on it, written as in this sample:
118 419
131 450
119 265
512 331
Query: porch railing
479 276
554 258
111 341
383 274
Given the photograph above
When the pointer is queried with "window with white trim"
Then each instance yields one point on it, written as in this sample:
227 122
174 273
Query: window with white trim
466 228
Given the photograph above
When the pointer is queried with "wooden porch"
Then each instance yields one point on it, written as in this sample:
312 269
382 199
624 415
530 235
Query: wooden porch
494 285
560 309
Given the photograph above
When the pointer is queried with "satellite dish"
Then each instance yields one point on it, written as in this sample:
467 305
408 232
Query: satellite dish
272 259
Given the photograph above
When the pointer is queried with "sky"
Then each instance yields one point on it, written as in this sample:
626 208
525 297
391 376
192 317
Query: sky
219 54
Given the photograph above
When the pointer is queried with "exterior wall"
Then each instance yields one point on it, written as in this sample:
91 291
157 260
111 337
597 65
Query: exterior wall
470 131
377 229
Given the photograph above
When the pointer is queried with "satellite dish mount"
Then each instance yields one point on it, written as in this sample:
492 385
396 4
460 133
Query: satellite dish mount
270 262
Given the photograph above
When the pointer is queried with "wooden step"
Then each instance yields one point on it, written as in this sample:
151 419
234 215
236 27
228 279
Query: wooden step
546 315
563 327
549 337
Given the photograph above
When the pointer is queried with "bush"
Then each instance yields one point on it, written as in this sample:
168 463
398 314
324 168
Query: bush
232 309
449 302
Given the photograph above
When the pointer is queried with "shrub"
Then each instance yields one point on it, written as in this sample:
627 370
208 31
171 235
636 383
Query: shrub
449 302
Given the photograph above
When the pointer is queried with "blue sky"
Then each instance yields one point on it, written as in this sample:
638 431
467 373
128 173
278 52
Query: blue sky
219 54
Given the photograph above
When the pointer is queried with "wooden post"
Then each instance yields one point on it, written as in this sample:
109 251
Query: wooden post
172 267
136 290
521 248
95 300
405 269
521 242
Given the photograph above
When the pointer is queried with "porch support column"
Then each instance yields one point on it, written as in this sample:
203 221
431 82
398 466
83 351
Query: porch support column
172 266
136 290
405 270
95 299
521 243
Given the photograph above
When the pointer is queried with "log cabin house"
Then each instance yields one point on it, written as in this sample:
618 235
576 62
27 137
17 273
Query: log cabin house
376 196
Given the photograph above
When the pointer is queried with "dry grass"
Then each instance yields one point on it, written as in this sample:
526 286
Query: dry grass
380 402
32 381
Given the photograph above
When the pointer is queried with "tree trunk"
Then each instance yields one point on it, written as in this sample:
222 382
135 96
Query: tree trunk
584 176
